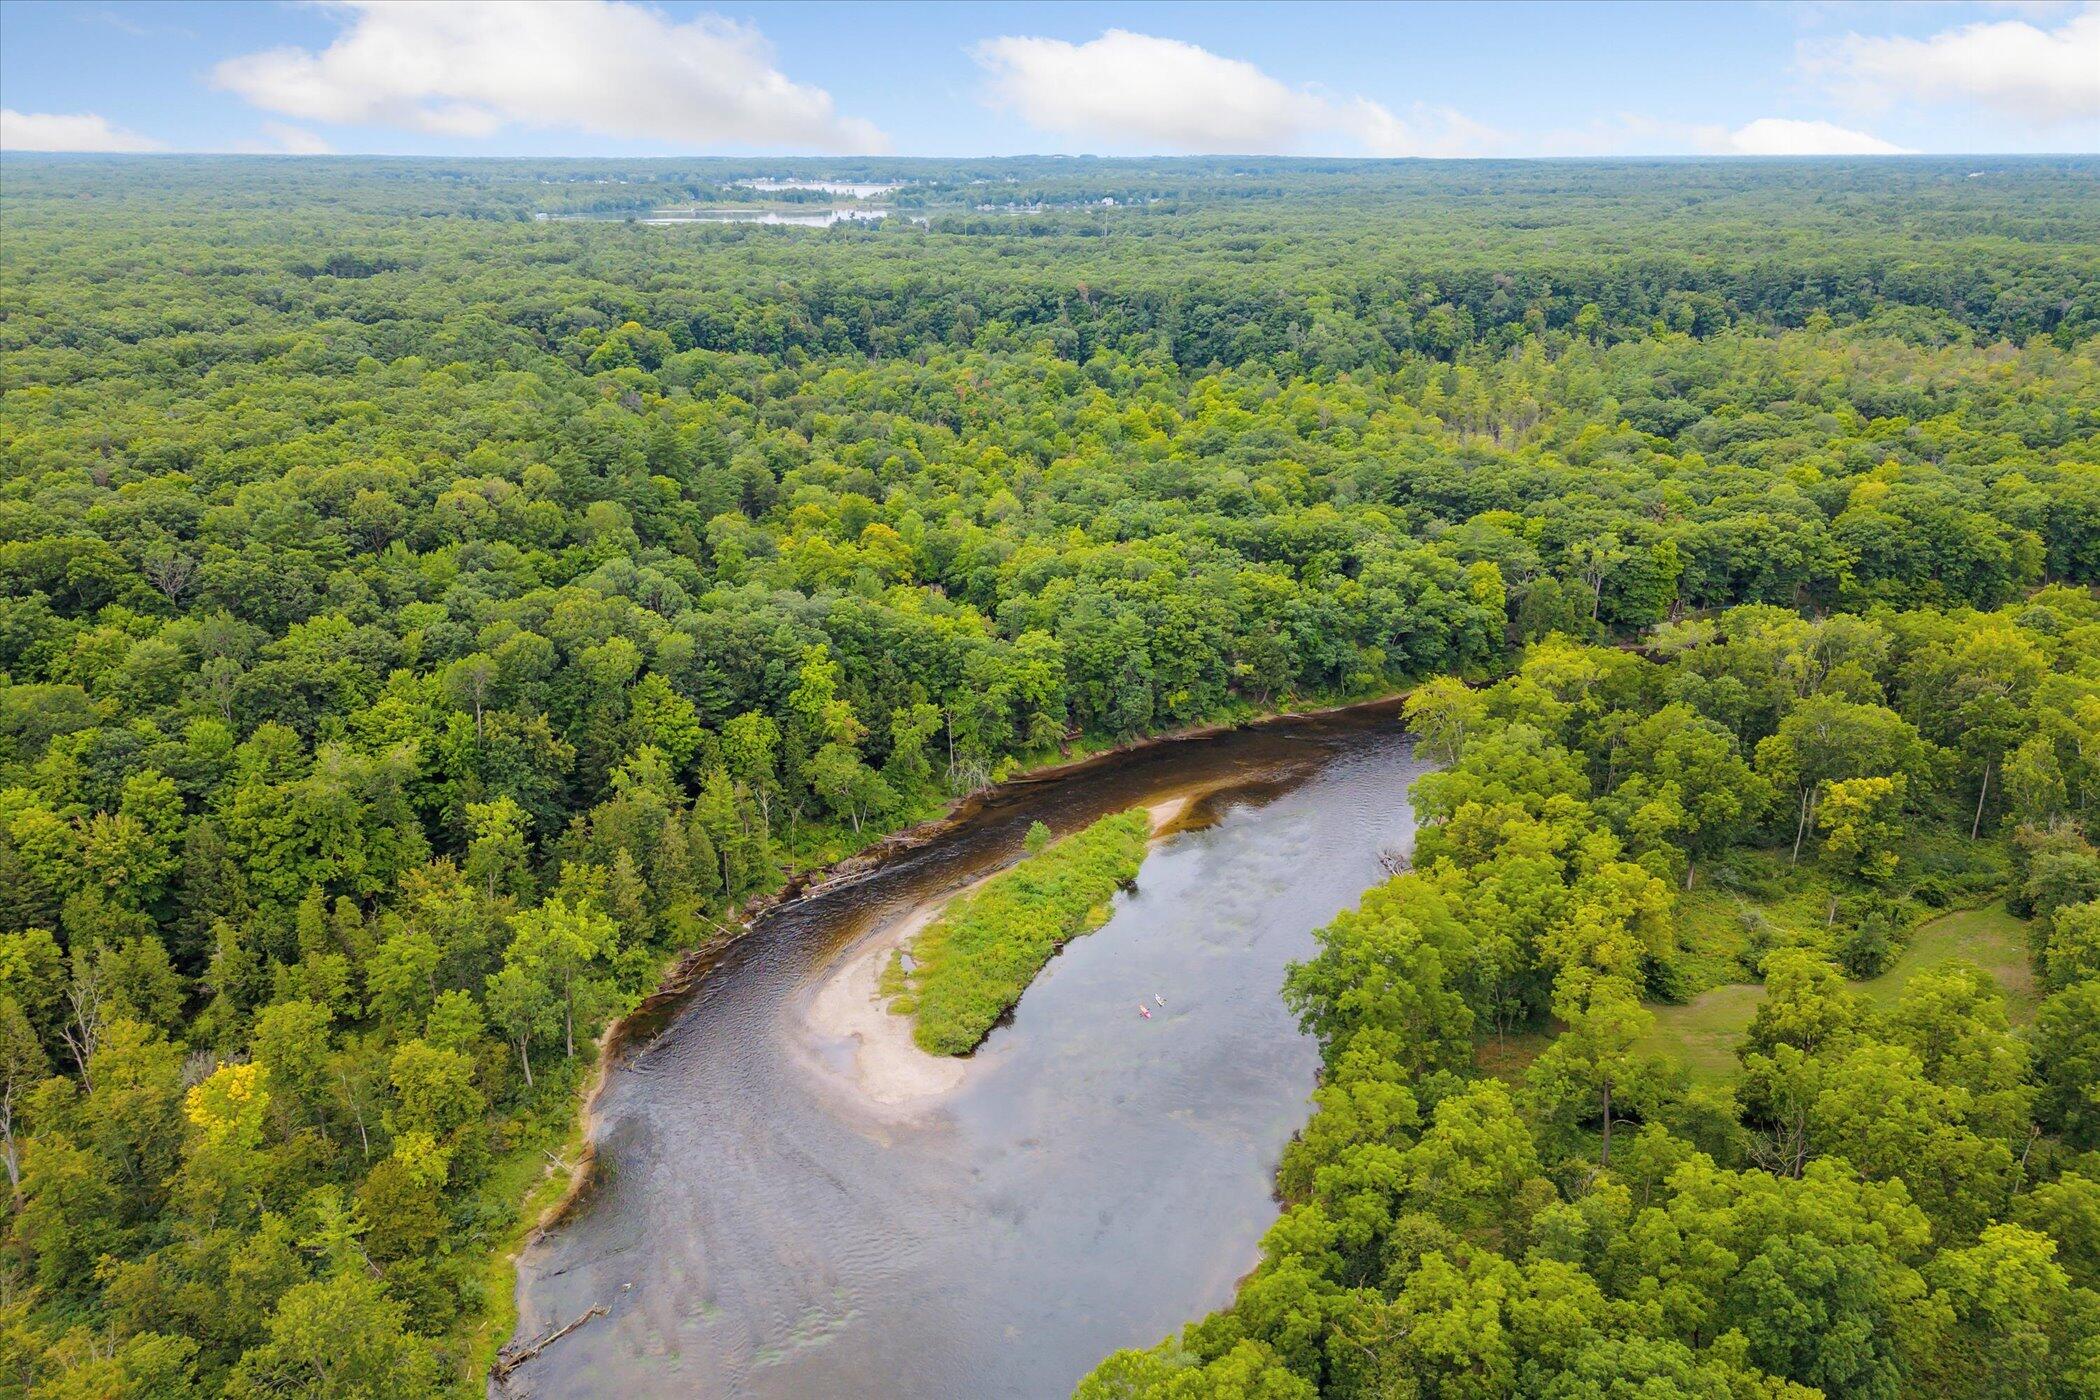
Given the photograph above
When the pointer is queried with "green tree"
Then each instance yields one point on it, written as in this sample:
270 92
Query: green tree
908 769
523 1009
1823 741
2017 1321
22 1065
1591 1067
2067 1059
337 1339
1862 821
497 853
1439 712
564 947
1690 766
667 720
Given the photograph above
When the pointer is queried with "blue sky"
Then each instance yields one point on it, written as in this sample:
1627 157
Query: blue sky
604 77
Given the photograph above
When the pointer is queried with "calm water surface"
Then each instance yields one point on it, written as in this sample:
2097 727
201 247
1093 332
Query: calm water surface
819 218
1096 1180
708 214
856 189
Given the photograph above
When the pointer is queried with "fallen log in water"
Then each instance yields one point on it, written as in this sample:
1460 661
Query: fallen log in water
512 1357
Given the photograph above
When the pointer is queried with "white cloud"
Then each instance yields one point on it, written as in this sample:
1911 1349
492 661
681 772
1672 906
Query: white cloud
1125 92
49 131
2043 75
82 131
1633 134
284 139
1637 134
1782 136
470 68
1125 88
1426 131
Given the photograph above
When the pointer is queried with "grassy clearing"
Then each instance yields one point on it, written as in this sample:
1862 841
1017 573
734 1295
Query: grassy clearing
1728 931
972 964
1752 900
1703 1032
1990 937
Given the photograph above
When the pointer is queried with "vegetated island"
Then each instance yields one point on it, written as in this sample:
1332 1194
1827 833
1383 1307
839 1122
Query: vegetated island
969 967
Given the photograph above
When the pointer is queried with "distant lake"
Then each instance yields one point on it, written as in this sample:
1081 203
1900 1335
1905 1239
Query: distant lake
700 214
827 186
816 218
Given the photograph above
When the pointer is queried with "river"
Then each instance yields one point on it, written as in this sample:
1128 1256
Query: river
760 1227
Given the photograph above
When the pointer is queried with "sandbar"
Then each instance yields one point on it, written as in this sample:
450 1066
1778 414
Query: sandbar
885 1067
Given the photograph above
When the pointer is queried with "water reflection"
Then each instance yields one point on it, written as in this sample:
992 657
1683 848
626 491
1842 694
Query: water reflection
1096 1179
820 218
844 187
706 214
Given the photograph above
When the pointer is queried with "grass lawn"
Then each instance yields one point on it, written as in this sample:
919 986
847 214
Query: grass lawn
1990 937
1704 1031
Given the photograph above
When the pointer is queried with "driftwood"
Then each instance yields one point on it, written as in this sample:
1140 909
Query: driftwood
513 1356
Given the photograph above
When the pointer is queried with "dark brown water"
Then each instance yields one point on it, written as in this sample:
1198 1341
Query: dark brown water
1096 1180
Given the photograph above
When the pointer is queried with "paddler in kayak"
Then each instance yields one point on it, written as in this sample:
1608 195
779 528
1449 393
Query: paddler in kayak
1144 1011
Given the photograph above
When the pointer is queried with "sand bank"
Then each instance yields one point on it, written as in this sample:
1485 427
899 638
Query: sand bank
873 1050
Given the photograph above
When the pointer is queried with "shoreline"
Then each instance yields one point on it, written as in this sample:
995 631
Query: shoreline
848 1015
682 971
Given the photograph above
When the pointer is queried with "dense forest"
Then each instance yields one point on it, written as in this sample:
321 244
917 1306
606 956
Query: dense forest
423 614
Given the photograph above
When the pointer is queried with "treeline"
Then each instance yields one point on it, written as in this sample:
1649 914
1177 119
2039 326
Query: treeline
415 626
1338 269
969 967
1885 1205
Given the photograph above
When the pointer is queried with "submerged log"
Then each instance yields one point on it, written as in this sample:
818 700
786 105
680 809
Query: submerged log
513 1356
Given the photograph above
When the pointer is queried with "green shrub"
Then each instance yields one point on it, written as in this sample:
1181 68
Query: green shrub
1876 928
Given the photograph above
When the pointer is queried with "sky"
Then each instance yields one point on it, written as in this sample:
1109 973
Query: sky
615 78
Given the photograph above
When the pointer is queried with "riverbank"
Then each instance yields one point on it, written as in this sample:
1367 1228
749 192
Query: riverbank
1076 758
568 1179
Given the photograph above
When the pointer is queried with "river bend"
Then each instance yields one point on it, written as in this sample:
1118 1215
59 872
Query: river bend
759 1227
